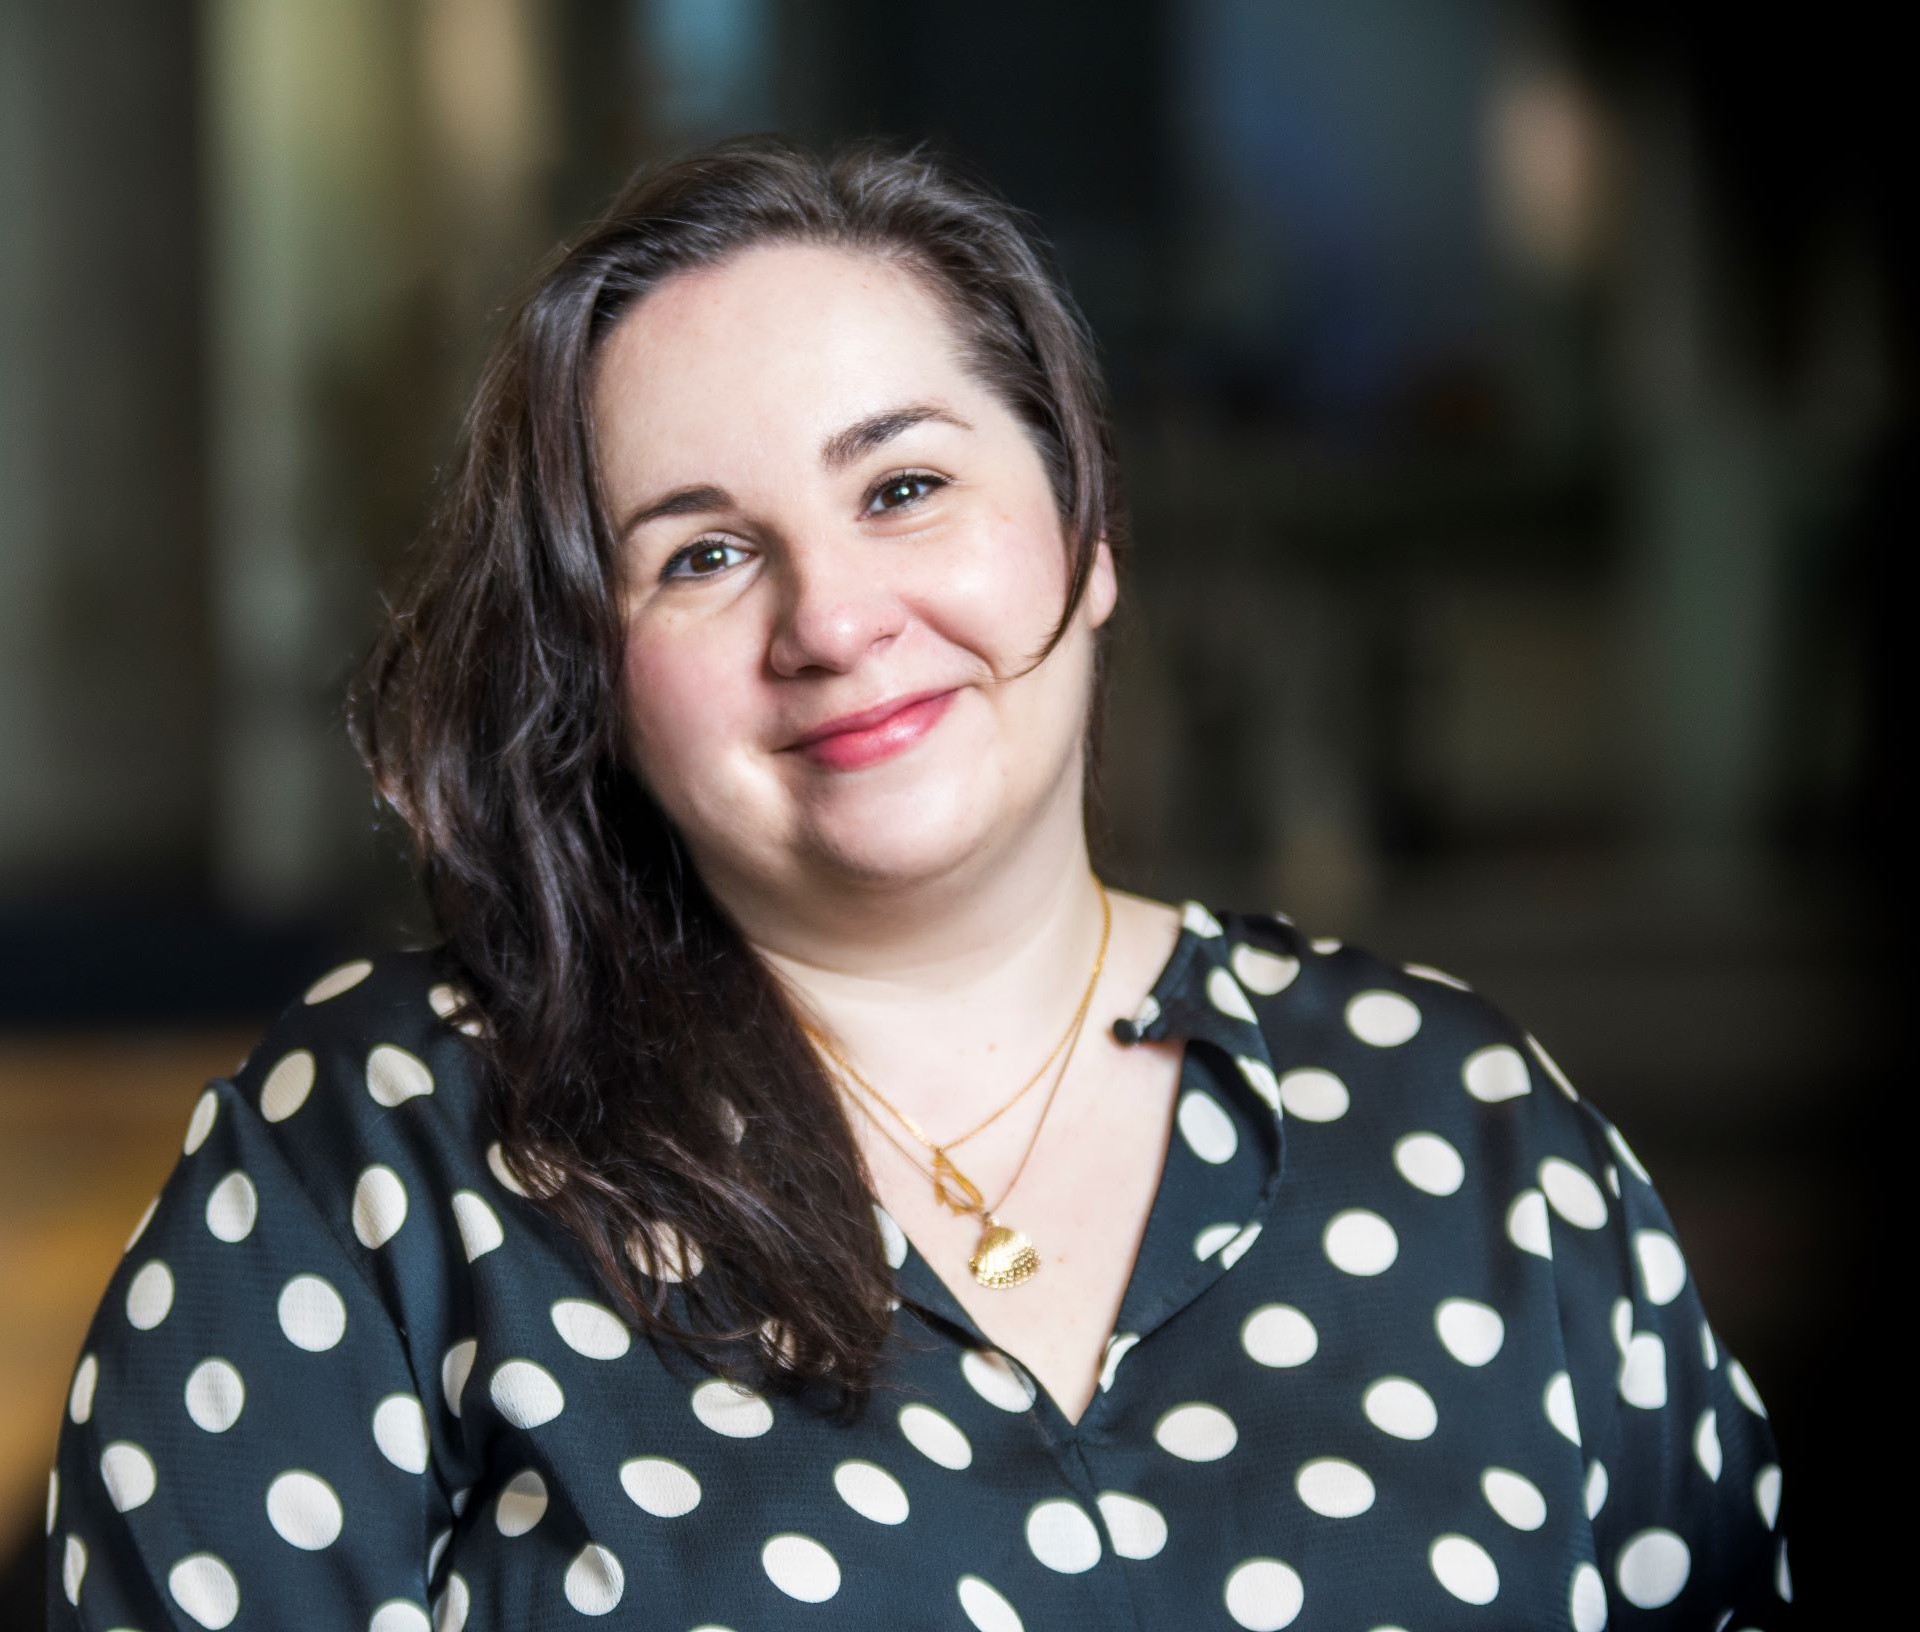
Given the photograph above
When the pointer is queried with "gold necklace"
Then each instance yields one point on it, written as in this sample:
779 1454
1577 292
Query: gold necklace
1003 1257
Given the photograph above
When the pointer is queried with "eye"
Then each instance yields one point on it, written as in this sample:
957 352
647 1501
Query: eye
907 488
701 557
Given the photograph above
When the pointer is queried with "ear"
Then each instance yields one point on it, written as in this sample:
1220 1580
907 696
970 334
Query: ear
1103 585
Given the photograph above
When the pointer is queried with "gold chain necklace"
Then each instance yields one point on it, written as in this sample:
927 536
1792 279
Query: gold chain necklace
1003 1257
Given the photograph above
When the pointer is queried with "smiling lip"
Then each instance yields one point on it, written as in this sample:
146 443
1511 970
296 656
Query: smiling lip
875 733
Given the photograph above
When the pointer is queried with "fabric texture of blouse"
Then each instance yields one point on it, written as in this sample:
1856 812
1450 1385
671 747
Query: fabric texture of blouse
1409 1343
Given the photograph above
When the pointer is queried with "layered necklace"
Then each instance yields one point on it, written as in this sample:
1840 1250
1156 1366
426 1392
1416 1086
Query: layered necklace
1003 1257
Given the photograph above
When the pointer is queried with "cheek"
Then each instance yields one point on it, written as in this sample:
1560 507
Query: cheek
676 703
1003 593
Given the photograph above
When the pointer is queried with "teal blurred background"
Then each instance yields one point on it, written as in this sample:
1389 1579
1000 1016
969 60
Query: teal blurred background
1511 395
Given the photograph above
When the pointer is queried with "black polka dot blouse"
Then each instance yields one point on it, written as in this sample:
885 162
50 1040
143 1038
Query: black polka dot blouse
1410 1344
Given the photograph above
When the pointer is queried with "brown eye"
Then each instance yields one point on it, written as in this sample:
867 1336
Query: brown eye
704 559
897 492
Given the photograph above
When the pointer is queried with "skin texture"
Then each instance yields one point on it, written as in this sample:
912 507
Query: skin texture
934 911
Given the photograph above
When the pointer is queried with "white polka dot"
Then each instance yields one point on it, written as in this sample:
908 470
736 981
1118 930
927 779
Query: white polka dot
73 1568
1314 1095
1625 1152
1429 1163
479 1224
1426 971
200 1124
871 1491
1596 1489
86 1378
1652 1568
522 1503
1749 1396
1116 1351
1062 1536
1206 1127
1558 1399
1643 1372
935 1436
1782 1577
1224 993
729 1409
1277 1334
435 1548
1137 1529
1326 945
660 1486
1527 1224
1613 1177
1196 1432
1263 1595
497 1165
1463 1567
1471 1331
458 1500
394 1076
1572 1194
400 1430
312 1315
1496 1073
1231 1253
1147 1013
446 1001
456 1365
140 1229
595 1580
988 1611
1360 1242
1709 1350
1196 918
892 1238
53 1497
287 1086
1260 1078
1663 1271
129 1474
1706 1443
232 1207
455 1601
302 1507
665 1252
1553 1070
526 1393
997 1380
1213 1238
801 1568
1261 971
150 1296
591 1329
206 1590
399 1615
336 981
1514 1497
379 1206
1622 1324
1587 1600
1334 1487
1384 1019
1766 1494
1401 1407
215 1396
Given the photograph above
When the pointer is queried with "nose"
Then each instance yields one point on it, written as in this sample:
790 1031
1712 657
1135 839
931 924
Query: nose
836 605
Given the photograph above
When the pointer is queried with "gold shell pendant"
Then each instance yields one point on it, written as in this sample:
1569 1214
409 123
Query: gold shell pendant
1003 1258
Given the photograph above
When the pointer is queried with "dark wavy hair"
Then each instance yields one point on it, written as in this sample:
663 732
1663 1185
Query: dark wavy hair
647 1075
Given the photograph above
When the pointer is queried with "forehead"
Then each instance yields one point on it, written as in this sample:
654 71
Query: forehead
769 349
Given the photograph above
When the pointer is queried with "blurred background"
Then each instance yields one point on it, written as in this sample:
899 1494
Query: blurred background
1511 396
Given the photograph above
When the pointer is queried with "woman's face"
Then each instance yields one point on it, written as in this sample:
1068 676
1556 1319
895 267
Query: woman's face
822 514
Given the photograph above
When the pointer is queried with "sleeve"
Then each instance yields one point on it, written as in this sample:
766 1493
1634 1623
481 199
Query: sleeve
1683 1490
244 1442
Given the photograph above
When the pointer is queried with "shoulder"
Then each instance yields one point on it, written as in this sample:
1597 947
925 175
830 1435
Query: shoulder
1411 1046
374 1060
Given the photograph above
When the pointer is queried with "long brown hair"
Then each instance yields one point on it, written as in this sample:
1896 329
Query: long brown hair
647 1076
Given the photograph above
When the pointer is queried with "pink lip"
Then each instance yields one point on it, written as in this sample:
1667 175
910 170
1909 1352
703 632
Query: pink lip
877 733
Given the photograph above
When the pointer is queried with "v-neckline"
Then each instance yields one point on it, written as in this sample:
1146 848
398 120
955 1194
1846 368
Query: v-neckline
922 1286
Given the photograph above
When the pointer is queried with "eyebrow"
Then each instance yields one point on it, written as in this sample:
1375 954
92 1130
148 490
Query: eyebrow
837 452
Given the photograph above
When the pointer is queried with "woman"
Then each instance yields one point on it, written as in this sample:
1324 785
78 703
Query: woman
737 1221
